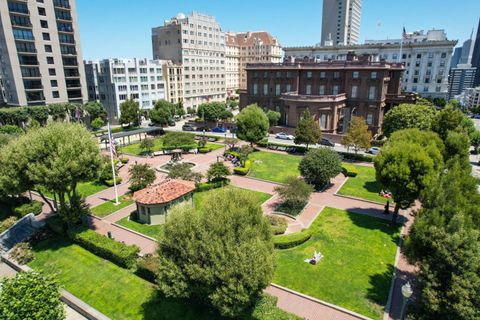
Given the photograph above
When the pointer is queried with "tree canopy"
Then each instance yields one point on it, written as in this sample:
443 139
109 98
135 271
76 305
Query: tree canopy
141 176
178 139
217 171
252 124
308 130
273 117
130 112
318 166
358 136
162 112
407 116
95 110
213 111
222 256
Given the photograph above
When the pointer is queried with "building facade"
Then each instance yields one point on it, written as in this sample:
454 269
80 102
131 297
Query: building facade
476 56
246 48
459 79
332 91
173 74
197 43
472 98
120 79
341 22
426 58
40 54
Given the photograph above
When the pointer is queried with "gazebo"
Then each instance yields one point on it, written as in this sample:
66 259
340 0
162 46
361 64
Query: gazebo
154 202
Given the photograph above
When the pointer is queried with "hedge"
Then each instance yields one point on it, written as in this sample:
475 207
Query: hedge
204 150
205 186
109 182
7 223
34 207
56 224
124 160
243 171
356 157
118 253
291 240
278 225
147 267
349 170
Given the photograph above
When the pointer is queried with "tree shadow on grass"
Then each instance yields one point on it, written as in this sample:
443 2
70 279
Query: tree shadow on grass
372 223
380 282
372 186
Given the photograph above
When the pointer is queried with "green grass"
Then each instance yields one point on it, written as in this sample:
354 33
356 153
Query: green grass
214 146
199 197
355 272
363 186
84 189
109 207
134 149
154 231
274 166
117 292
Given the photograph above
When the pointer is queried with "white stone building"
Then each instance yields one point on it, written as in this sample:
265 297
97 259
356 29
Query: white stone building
114 81
426 57
472 97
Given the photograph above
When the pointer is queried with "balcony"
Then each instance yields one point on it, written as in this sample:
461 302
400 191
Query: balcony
295 97
63 4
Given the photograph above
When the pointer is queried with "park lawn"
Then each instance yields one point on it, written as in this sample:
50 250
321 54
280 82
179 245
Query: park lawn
274 166
109 206
117 292
356 270
214 146
363 186
199 197
154 231
86 189
134 149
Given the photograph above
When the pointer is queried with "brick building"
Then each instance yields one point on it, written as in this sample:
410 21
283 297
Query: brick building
333 91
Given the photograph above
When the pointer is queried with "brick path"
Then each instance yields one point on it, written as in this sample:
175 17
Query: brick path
120 214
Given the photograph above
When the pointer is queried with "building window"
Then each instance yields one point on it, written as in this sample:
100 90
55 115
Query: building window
255 89
41 11
52 72
48 48
323 121
265 89
288 87
419 56
336 74
370 118
354 91
355 75
53 83
321 90
335 90
50 60
56 94
277 89
372 93
444 55
308 89
22 34
46 36
309 74
322 74
373 75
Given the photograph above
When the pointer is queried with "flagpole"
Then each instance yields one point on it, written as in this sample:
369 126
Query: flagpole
113 164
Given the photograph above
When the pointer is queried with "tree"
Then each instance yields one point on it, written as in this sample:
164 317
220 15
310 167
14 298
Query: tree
308 131
273 117
183 171
294 192
456 144
95 110
217 171
211 111
447 119
147 145
407 116
475 140
252 124
30 295
232 142
318 166
222 256
129 112
243 153
404 169
141 176
179 110
178 139
54 158
97 123
162 112
358 136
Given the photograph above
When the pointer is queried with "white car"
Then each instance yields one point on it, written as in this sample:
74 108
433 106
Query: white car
374 150
284 136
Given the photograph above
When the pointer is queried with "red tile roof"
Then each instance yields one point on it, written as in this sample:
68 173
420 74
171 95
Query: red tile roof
164 192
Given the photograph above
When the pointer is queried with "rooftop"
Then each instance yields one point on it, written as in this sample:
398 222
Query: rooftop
164 192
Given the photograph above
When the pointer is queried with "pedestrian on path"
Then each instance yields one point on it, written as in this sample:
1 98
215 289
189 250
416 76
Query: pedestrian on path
387 208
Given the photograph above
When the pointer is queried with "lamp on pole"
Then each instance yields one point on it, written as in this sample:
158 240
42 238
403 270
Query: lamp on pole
406 293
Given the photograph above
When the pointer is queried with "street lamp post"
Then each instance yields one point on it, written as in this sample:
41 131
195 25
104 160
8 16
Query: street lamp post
406 293
225 141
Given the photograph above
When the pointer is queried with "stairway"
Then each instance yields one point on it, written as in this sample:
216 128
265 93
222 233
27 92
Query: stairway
20 231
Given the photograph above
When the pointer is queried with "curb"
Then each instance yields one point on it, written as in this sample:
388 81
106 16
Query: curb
133 231
359 199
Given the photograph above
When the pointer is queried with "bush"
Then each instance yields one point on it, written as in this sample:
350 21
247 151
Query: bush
243 171
34 207
291 240
349 170
124 160
22 253
205 186
118 253
57 225
318 166
278 224
147 267
356 157
263 143
204 150
7 223
109 182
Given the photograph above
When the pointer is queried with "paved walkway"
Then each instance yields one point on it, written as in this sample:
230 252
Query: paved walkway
120 214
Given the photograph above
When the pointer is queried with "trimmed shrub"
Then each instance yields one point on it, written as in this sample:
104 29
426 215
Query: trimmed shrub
57 225
349 170
263 143
243 171
22 253
233 153
204 150
124 160
34 207
116 252
291 240
109 182
7 223
278 225
205 186
147 267
356 157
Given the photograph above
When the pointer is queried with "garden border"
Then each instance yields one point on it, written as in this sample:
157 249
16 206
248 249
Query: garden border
133 231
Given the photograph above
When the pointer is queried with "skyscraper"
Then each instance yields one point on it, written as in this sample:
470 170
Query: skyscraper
341 22
476 57
40 54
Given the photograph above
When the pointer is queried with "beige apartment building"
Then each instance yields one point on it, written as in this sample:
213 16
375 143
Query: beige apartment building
40 54
173 74
197 43
244 48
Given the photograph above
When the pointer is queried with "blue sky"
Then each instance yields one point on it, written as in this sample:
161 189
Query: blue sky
122 28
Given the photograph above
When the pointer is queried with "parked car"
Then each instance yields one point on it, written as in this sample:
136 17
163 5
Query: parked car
326 142
189 127
374 150
219 129
284 136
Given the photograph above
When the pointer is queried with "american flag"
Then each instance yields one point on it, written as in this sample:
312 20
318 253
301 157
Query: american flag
404 34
